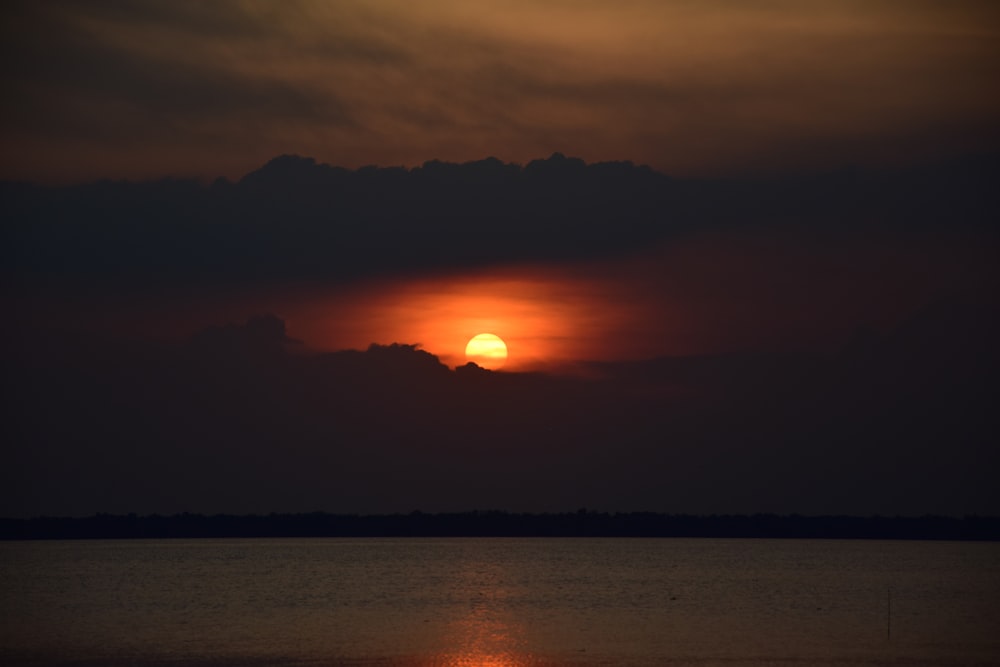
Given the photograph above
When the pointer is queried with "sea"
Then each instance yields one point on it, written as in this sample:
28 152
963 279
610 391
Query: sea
499 602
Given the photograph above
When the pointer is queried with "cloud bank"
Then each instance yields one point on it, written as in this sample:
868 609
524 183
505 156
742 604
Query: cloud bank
295 218
237 420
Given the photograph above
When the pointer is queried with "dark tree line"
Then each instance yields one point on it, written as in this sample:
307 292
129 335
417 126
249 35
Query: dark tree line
582 523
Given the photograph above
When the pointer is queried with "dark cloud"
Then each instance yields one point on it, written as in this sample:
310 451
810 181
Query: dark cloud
235 420
261 336
295 219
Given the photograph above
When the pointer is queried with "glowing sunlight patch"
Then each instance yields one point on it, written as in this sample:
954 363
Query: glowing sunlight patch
549 318
486 350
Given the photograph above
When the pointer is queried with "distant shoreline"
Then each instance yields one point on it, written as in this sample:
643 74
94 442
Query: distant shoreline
582 523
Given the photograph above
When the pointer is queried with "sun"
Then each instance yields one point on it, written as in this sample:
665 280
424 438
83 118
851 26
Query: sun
486 350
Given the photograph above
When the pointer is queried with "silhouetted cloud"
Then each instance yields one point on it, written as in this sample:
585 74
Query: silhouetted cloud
295 218
901 424
260 337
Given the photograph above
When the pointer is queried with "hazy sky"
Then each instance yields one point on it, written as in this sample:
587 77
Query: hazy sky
154 88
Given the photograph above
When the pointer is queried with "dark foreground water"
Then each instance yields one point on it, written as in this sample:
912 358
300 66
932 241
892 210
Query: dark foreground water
499 602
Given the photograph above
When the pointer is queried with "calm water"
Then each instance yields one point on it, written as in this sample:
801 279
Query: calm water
499 602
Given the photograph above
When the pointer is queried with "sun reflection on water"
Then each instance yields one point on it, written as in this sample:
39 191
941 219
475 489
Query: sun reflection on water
483 639
487 633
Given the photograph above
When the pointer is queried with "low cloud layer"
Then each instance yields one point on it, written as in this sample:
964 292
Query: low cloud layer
296 219
238 420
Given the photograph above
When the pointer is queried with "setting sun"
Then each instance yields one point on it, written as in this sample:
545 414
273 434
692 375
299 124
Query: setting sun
486 350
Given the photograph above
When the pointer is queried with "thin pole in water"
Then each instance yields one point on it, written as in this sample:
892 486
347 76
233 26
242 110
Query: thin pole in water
888 612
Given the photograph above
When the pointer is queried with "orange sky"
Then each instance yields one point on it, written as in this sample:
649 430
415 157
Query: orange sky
546 319
144 90
759 289
710 294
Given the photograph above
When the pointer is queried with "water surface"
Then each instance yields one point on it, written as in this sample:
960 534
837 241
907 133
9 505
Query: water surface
499 602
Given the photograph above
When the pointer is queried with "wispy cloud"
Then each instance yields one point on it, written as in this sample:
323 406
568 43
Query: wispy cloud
154 87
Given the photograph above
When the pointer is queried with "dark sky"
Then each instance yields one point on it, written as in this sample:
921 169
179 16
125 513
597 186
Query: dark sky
792 308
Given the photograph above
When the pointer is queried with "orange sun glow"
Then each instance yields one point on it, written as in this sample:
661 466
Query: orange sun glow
548 319
486 350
